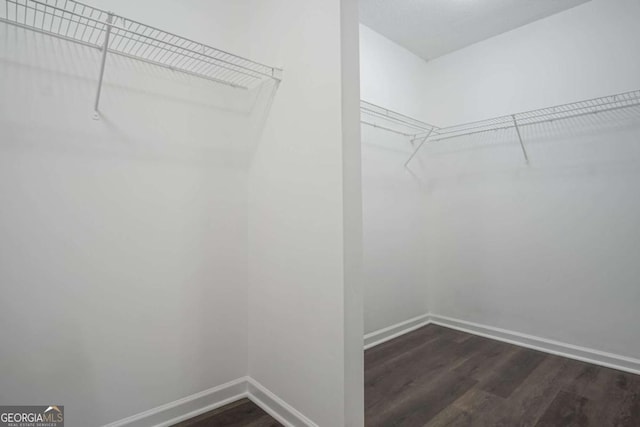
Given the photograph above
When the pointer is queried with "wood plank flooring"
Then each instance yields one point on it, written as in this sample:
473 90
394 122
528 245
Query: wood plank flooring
435 377
243 413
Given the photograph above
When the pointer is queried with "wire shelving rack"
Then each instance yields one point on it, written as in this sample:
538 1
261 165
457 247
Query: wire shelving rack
544 115
113 34
383 118
388 120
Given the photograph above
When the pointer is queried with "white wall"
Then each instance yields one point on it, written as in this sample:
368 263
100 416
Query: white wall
123 248
352 220
393 202
296 215
550 249
394 232
582 53
391 76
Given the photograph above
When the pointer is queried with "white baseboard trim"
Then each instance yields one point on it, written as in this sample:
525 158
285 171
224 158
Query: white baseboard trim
386 334
213 398
584 354
187 407
276 407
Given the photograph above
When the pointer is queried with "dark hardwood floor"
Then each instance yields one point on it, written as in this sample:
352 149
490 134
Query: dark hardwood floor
243 413
435 377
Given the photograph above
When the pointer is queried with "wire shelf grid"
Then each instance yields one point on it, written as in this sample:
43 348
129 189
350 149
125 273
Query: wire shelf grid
382 118
543 115
90 26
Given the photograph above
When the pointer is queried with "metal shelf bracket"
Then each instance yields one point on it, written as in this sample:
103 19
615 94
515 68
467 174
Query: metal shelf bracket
105 50
524 150
423 140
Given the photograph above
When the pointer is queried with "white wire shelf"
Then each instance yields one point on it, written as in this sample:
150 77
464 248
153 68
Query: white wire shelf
383 118
544 115
549 114
96 28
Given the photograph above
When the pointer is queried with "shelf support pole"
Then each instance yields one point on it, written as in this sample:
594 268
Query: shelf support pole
406 164
524 150
105 48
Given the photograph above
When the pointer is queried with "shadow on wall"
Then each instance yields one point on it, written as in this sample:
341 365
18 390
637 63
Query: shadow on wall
146 111
606 142
385 140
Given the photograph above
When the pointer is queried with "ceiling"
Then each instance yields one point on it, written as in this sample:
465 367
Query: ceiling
432 28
